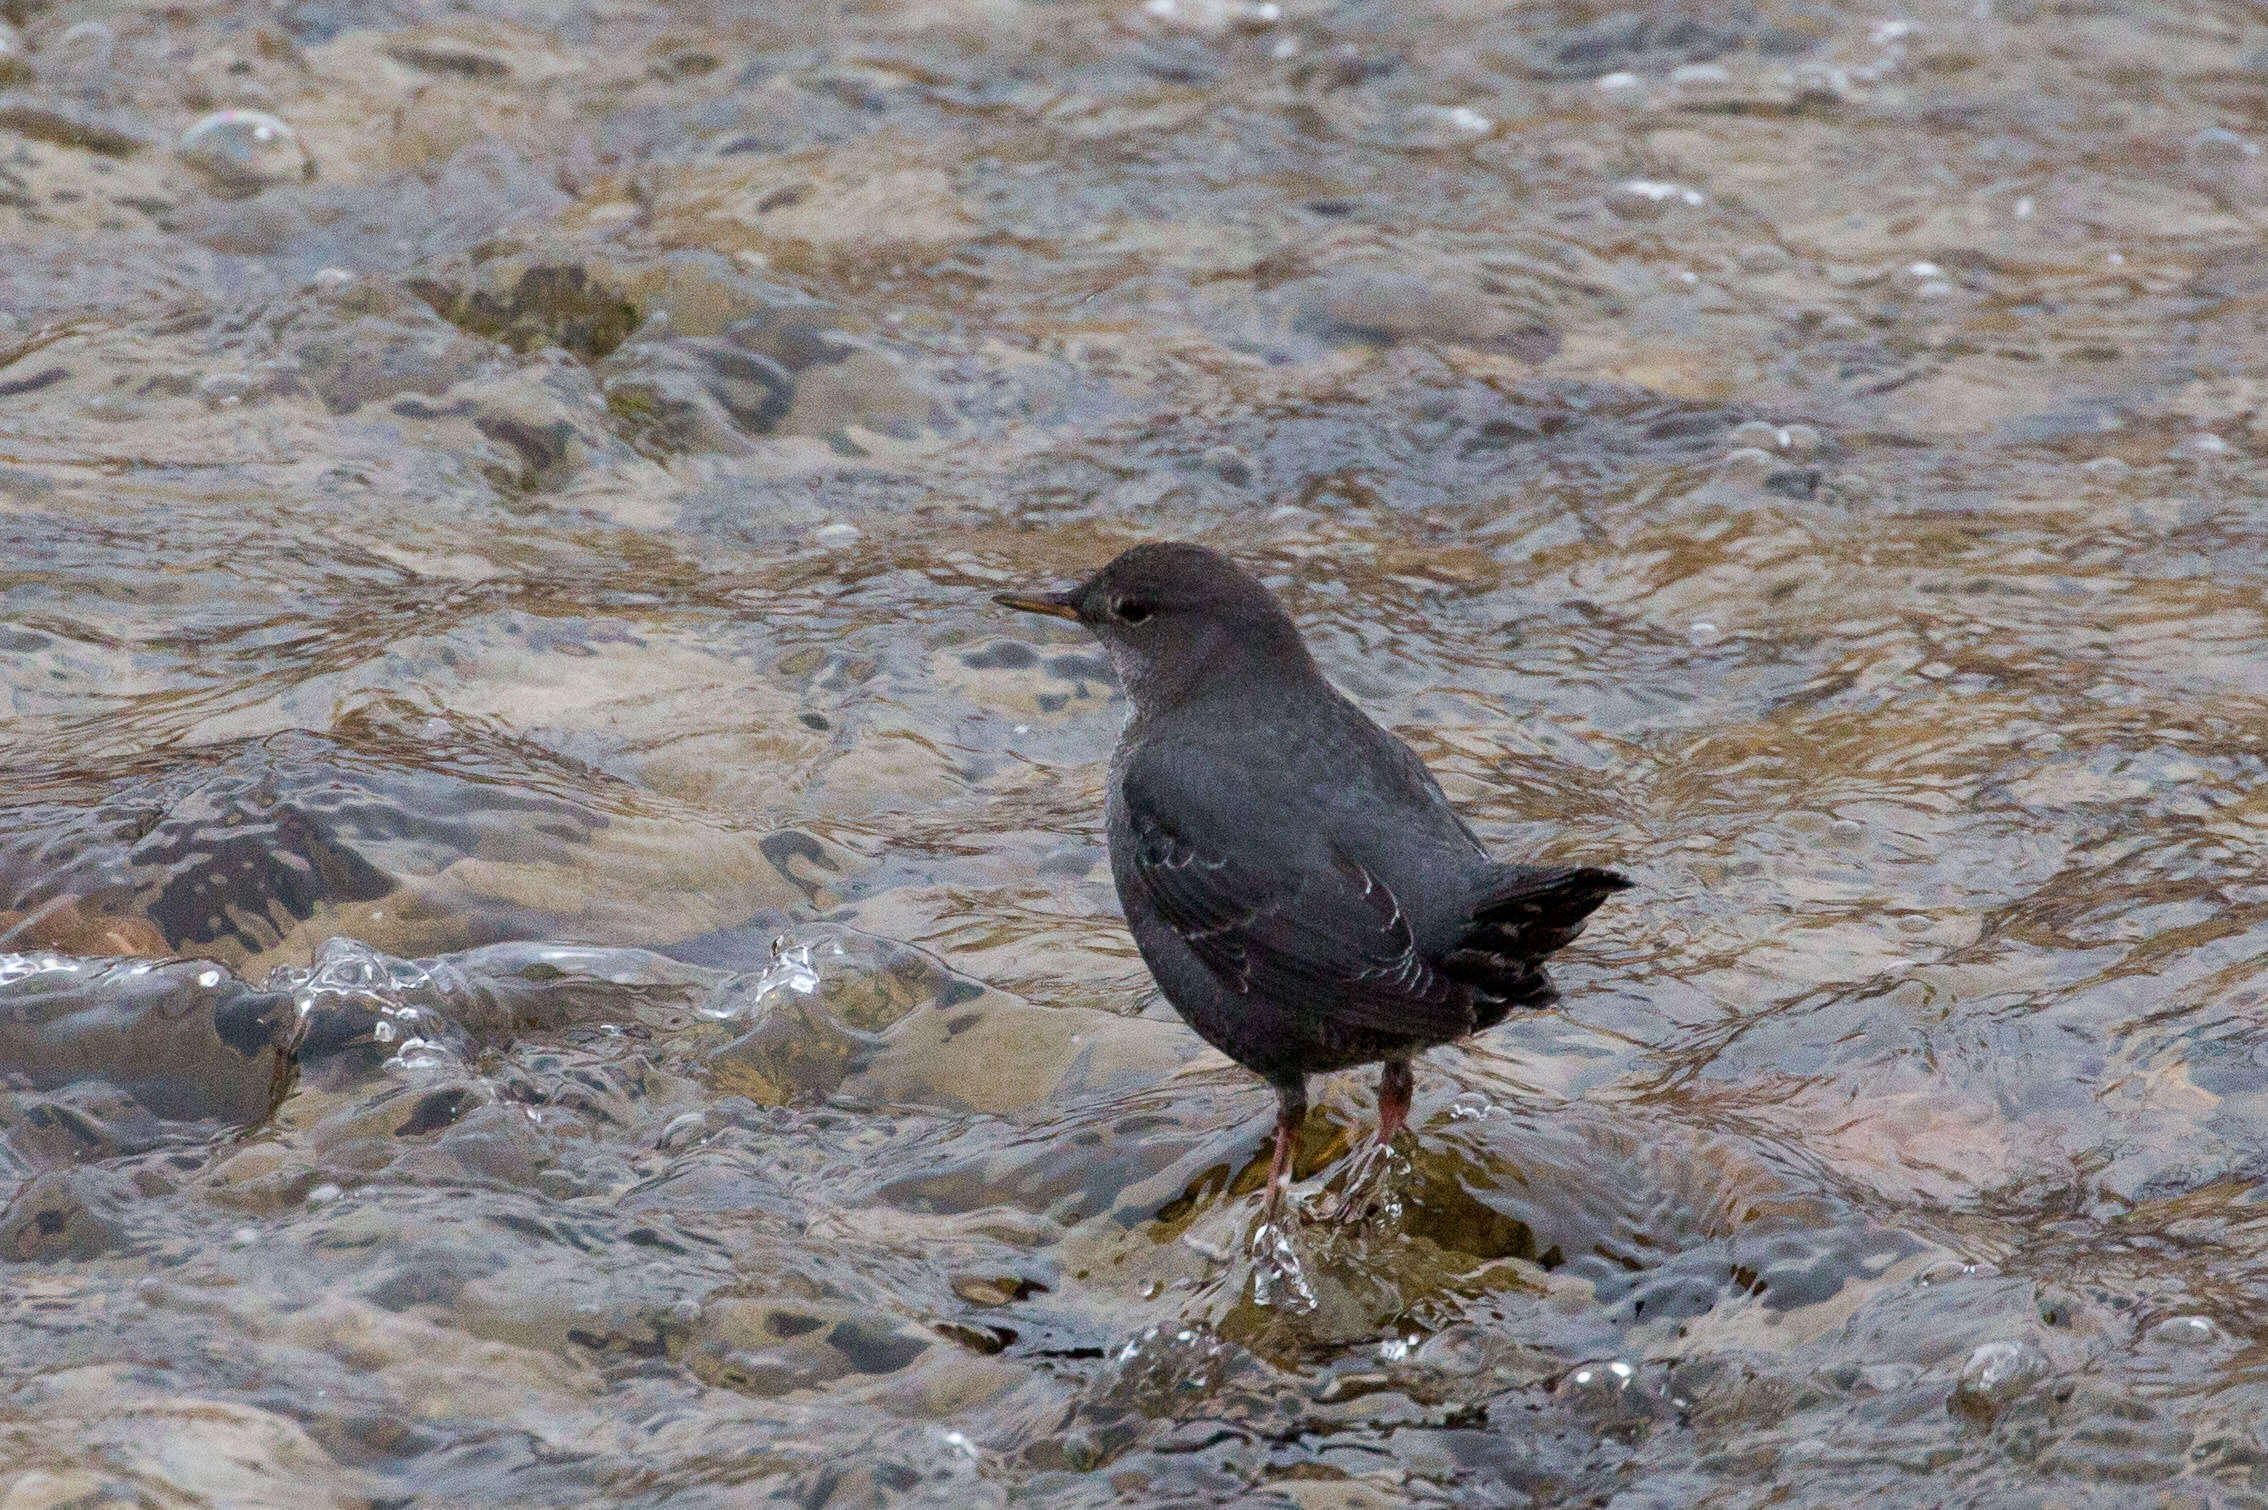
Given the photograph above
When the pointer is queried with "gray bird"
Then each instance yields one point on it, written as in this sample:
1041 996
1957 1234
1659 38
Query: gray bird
1295 879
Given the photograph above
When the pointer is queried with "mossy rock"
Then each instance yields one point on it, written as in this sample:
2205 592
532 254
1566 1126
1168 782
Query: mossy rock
546 304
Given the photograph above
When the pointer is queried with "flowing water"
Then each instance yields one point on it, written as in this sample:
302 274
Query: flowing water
556 944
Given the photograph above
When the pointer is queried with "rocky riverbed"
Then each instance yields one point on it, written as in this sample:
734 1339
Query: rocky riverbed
554 945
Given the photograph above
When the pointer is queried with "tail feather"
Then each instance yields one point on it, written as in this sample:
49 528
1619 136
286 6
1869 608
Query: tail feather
1540 910
1521 914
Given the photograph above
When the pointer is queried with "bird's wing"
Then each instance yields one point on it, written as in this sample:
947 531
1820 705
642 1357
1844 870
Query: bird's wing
1324 932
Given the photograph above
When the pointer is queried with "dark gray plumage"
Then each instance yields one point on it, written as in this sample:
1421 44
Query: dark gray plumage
1293 875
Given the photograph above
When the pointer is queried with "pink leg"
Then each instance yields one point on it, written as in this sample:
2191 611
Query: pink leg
1395 1086
1291 1110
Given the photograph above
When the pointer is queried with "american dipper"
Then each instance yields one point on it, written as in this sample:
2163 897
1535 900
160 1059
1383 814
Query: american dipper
1295 879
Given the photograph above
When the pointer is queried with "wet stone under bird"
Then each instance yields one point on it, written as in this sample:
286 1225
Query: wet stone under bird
557 947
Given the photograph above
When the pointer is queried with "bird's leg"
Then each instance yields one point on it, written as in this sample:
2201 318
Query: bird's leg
1291 1110
1277 1276
1395 1086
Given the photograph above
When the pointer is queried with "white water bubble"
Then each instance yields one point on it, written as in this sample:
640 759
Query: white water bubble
15 967
222 390
1927 280
82 54
1463 118
1439 126
240 152
423 1054
2217 147
1610 1386
1995 1374
1652 198
2185 1331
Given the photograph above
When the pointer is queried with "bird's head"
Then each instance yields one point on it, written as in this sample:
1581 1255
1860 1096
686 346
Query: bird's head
1176 618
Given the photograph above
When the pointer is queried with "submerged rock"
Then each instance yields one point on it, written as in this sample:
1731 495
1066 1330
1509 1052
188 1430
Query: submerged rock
103 133
863 1016
785 373
66 1213
233 847
771 1348
695 394
1375 307
1664 36
528 304
184 1038
15 69
361 339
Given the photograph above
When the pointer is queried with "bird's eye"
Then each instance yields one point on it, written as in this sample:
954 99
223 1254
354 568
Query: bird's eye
1131 610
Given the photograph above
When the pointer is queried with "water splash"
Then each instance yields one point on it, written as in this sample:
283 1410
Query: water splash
1279 1279
793 968
15 967
1373 1183
399 1004
1162 1367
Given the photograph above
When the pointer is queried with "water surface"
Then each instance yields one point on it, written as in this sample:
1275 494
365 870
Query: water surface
558 948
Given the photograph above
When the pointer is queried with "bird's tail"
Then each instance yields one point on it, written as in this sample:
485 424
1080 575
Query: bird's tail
1520 914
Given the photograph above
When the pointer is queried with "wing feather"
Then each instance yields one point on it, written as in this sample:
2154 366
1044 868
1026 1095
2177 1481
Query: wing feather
1325 932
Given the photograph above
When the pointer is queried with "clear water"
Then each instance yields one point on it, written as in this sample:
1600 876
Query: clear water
516 491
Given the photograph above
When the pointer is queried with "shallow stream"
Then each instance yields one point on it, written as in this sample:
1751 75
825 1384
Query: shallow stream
554 944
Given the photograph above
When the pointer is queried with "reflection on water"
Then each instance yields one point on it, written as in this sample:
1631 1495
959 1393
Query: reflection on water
554 947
